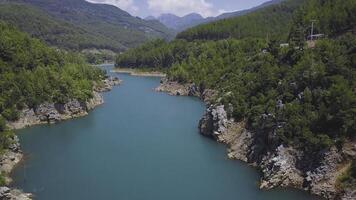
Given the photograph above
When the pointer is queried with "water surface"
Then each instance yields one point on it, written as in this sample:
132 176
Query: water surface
140 145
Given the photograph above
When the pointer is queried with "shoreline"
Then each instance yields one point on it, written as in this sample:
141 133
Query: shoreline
46 113
134 72
279 165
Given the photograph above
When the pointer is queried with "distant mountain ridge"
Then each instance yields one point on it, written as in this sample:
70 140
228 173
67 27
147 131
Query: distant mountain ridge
178 23
193 19
102 26
243 12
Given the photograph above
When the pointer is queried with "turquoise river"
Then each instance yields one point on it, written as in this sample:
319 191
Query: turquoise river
139 145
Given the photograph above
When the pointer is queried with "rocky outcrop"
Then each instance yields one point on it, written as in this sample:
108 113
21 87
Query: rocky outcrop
95 101
279 169
55 112
188 89
214 121
322 179
10 157
350 194
279 164
13 194
177 89
8 160
108 84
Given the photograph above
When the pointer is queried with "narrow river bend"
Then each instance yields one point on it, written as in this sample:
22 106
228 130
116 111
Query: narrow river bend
139 145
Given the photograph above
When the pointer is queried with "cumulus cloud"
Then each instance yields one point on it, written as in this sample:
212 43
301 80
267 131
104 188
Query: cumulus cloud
127 5
182 7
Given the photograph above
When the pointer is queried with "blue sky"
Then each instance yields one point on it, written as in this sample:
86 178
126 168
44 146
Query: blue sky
144 8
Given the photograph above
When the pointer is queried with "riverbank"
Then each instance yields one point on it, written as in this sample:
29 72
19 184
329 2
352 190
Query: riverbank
281 165
135 72
45 113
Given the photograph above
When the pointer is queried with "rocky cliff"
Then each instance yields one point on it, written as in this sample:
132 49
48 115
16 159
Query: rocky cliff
8 160
55 112
45 113
281 165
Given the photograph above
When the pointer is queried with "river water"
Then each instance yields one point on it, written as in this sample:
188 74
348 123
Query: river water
139 145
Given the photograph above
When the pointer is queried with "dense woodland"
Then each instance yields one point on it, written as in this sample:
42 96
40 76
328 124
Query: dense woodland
304 97
32 73
76 24
53 31
272 21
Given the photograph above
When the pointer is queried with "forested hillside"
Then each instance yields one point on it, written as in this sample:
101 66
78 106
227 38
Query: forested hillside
77 24
272 21
304 95
32 73
54 31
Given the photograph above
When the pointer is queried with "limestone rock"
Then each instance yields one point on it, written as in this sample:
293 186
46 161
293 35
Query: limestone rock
279 169
350 194
214 121
322 179
13 194
27 118
47 112
107 84
96 100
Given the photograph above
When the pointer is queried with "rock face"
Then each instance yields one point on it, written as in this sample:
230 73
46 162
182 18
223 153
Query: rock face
214 121
55 112
189 89
279 164
322 180
10 157
108 84
8 160
13 194
279 169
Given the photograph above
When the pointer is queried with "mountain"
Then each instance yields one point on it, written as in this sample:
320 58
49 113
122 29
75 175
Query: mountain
243 12
268 20
54 31
178 23
79 24
182 23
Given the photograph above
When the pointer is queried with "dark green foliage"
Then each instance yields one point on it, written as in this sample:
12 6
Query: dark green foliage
54 31
32 73
333 17
304 97
158 54
272 21
77 24
5 141
99 57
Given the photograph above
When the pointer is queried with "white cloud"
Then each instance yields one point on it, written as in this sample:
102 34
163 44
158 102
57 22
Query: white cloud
127 5
182 7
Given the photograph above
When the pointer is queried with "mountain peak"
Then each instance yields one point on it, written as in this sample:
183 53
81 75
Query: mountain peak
193 16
